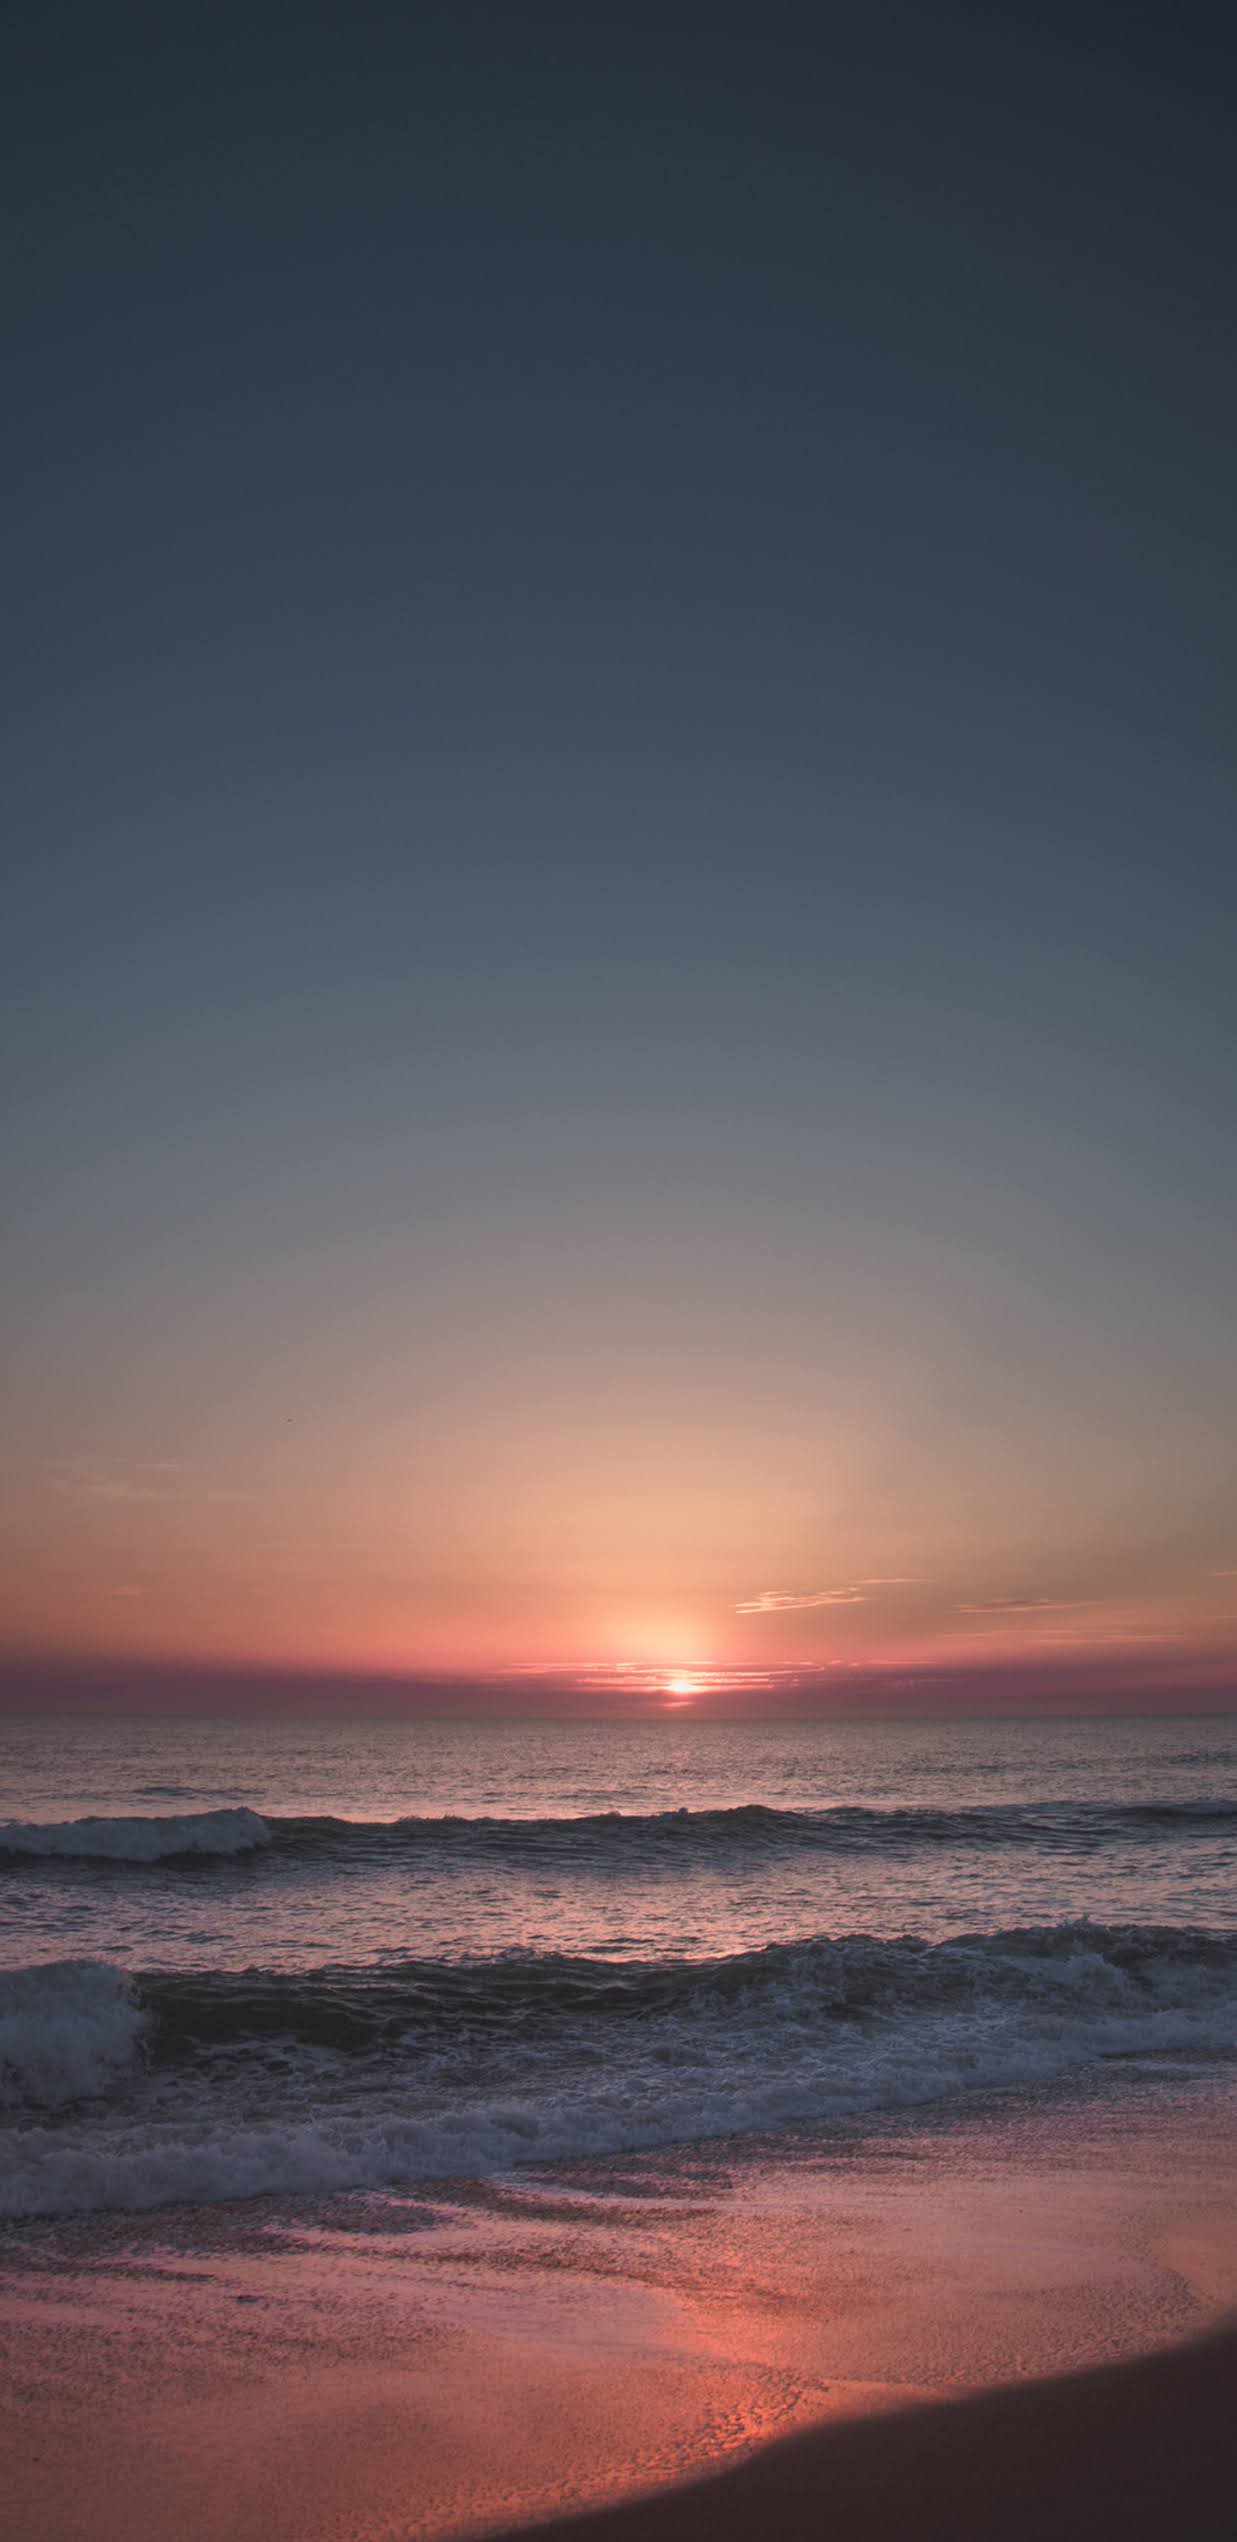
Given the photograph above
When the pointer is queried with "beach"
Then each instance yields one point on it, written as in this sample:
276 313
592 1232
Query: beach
1129 2453
391 2369
423 2130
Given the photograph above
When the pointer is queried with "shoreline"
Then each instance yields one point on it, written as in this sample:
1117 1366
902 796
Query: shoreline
1144 2450
483 2359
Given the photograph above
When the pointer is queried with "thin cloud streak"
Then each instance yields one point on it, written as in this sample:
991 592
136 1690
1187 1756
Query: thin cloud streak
1024 1606
788 1601
1117 1678
121 1486
115 1479
854 1593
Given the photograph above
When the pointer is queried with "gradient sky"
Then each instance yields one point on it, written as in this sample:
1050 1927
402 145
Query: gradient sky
618 975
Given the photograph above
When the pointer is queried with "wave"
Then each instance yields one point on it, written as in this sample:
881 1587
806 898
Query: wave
851 1978
209 1832
204 2088
609 1838
67 2032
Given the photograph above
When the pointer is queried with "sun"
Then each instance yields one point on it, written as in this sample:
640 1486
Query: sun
682 1685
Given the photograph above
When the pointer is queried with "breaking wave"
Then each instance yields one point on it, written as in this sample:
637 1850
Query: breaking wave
608 1838
67 2032
140 2091
209 1832
855 1977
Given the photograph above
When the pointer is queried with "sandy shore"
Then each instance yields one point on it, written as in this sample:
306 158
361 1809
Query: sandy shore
397 2371
1142 2452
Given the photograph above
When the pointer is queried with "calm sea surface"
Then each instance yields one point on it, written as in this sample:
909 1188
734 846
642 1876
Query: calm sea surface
254 1958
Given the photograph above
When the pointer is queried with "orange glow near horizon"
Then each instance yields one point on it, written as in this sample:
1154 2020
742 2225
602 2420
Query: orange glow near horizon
712 1584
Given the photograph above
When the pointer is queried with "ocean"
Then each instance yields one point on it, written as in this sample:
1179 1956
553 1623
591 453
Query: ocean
281 1961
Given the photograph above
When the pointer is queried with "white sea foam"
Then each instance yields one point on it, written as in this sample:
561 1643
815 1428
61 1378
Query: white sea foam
66 2032
208 1831
776 2056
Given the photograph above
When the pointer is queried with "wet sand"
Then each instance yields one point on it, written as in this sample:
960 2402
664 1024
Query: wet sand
1143 2452
380 2370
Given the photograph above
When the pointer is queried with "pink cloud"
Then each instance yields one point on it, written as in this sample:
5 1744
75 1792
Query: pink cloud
788 1601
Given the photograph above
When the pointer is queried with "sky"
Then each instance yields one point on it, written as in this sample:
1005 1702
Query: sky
620 773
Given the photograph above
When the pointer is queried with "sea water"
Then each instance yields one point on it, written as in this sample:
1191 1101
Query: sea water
289 1958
